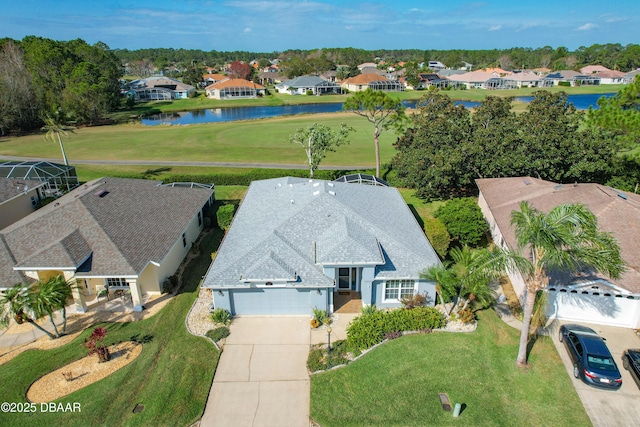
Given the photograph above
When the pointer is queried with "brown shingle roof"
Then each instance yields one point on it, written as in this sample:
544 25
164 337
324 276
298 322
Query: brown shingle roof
617 212
123 223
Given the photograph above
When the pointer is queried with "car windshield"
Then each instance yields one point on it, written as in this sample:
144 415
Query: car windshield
600 362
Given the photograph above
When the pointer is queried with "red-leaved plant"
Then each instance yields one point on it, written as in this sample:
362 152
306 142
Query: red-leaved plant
95 346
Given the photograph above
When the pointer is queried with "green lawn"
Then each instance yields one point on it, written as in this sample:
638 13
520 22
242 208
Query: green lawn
171 377
255 141
398 383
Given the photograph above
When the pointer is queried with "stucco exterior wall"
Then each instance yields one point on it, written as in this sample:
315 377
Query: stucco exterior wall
17 208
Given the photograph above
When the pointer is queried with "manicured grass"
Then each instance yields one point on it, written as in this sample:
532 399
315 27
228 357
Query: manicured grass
255 141
398 383
171 377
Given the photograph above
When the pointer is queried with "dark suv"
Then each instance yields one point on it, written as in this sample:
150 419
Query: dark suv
592 360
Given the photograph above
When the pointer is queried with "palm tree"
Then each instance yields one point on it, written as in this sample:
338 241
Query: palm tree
55 126
567 238
47 297
13 302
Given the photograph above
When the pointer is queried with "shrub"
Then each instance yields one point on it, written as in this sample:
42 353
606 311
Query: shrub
225 216
415 300
320 316
315 360
221 316
218 333
466 315
309 92
368 309
368 330
95 345
438 235
464 221
319 360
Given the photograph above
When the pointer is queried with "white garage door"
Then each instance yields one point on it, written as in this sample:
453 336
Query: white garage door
270 301
605 307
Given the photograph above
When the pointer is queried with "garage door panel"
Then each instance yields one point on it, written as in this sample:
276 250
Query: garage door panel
270 301
601 309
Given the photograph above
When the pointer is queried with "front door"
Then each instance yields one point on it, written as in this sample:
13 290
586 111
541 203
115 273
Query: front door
347 278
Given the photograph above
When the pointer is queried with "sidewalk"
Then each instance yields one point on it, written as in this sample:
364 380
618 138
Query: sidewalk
502 308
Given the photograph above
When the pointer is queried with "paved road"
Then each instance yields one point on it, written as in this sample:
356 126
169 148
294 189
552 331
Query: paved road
605 407
181 163
262 378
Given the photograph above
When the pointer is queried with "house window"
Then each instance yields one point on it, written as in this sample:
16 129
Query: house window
397 289
184 240
199 219
117 282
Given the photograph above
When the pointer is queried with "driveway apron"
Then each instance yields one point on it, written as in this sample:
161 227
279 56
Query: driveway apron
262 378
607 407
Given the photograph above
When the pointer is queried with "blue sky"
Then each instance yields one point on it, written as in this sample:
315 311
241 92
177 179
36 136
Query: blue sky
268 26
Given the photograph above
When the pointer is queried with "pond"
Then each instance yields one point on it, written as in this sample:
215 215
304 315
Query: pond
231 114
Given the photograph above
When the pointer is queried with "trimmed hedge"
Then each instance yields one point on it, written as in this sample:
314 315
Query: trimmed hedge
438 235
370 329
218 333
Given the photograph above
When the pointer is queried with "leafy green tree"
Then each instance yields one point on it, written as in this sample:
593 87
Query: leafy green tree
379 109
317 140
55 126
565 239
225 216
412 73
464 221
620 114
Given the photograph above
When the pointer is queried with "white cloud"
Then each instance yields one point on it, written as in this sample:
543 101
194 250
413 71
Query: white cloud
247 30
495 28
587 26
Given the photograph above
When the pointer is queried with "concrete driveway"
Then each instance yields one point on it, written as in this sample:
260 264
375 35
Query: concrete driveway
262 378
606 407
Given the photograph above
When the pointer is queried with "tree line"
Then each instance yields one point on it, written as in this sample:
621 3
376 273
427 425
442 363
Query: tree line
69 79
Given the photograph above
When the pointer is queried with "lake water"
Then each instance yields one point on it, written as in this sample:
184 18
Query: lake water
231 114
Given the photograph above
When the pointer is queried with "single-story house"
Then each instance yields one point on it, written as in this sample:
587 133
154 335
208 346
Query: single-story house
630 76
269 78
160 88
583 297
362 82
574 78
212 78
296 243
611 77
234 89
473 79
300 86
110 233
426 80
525 79
593 69
18 198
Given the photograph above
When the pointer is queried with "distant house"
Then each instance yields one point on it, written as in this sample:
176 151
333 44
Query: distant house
630 76
611 77
473 79
316 85
57 178
126 234
585 296
160 88
269 78
593 69
18 198
210 79
426 80
367 65
436 65
234 89
497 71
298 244
466 66
569 77
363 82
525 79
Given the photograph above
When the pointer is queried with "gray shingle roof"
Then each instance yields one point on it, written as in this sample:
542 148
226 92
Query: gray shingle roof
307 223
10 188
122 224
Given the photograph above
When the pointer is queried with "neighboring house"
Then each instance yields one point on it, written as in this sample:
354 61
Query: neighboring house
593 69
436 65
300 86
58 179
497 71
426 80
295 243
128 234
630 76
581 297
571 77
160 88
367 65
449 72
473 79
19 198
466 66
210 79
331 76
525 79
362 82
611 77
234 89
541 71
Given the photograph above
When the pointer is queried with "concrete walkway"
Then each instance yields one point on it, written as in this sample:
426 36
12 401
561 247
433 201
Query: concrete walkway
28 333
262 378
